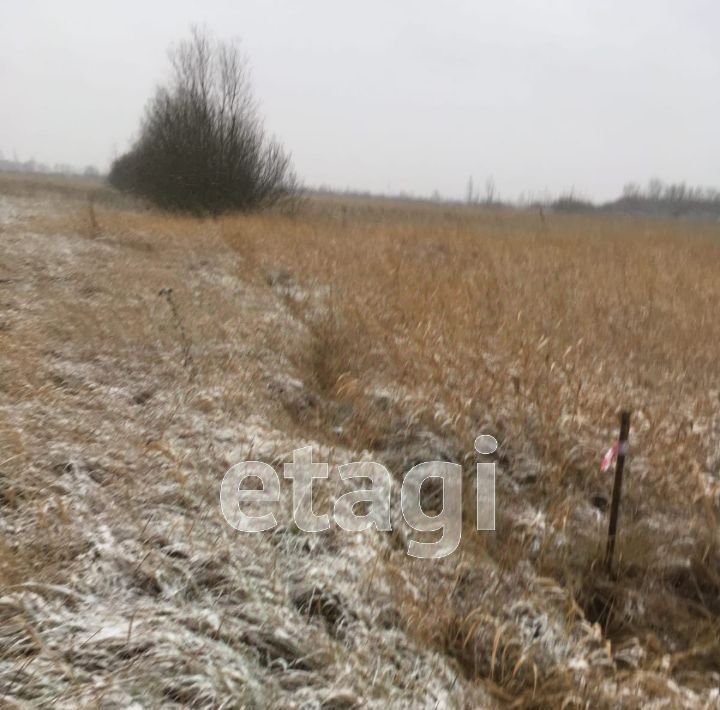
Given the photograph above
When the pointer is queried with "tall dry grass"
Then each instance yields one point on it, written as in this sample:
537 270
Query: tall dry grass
537 328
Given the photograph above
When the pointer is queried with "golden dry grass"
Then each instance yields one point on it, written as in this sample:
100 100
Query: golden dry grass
449 321
538 329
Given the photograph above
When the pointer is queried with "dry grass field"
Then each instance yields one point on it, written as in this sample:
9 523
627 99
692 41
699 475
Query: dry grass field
537 329
390 331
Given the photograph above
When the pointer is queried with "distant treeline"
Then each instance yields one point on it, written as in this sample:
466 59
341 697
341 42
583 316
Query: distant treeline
33 167
657 199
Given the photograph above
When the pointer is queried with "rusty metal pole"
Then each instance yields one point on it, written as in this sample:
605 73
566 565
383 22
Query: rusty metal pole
617 488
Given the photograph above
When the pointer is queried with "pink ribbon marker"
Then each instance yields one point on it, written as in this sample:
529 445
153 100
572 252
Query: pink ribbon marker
610 456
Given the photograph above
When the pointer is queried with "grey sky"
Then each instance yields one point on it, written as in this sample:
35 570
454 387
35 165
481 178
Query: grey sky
405 95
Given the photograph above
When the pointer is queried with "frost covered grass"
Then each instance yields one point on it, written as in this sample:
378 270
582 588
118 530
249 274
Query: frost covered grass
137 367
143 354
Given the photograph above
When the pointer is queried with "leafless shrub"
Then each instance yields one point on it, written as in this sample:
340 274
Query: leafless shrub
202 148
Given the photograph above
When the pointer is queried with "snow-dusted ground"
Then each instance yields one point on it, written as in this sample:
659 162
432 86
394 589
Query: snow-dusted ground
122 584
135 368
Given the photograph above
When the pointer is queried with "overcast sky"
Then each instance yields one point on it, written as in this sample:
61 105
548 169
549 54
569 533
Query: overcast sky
384 95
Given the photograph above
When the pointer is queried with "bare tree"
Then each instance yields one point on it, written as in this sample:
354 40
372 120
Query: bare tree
631 190
490 190
202 147
655 189
470 193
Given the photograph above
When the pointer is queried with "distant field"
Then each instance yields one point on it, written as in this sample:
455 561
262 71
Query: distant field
397 331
